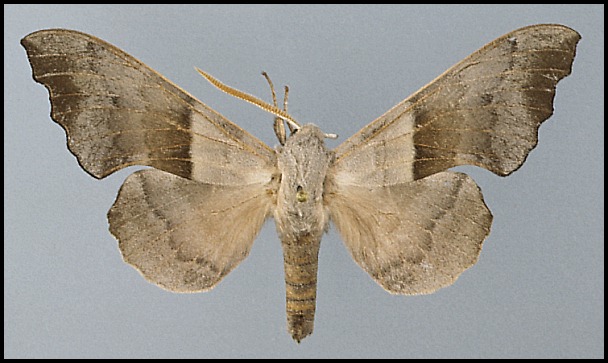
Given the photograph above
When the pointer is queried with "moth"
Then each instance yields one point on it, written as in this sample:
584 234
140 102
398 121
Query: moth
407 220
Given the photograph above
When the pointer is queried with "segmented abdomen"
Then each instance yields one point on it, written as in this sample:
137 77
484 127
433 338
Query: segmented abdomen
301 265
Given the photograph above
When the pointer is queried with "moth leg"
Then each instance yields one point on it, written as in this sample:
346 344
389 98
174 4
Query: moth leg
279 126
292 129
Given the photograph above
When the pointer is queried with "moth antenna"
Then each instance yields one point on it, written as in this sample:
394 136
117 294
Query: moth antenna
251 99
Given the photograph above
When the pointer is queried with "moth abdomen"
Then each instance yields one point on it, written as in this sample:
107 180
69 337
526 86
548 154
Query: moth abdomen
301 265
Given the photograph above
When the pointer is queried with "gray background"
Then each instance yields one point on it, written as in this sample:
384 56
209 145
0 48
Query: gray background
537 291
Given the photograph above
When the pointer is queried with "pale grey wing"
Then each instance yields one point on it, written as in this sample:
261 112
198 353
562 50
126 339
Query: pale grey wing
183 235
188 224
413 238
118 112
484 111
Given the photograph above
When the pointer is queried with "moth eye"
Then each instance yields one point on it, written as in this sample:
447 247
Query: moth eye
301 195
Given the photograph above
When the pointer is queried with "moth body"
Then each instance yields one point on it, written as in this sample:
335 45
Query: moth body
301 218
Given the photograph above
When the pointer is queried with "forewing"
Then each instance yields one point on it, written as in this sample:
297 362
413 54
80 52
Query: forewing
183 235
483 111
118 112
413 238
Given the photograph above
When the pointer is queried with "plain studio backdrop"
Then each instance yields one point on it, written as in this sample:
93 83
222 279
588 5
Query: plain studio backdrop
537 290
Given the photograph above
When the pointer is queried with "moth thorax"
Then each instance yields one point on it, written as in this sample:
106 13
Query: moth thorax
303 162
